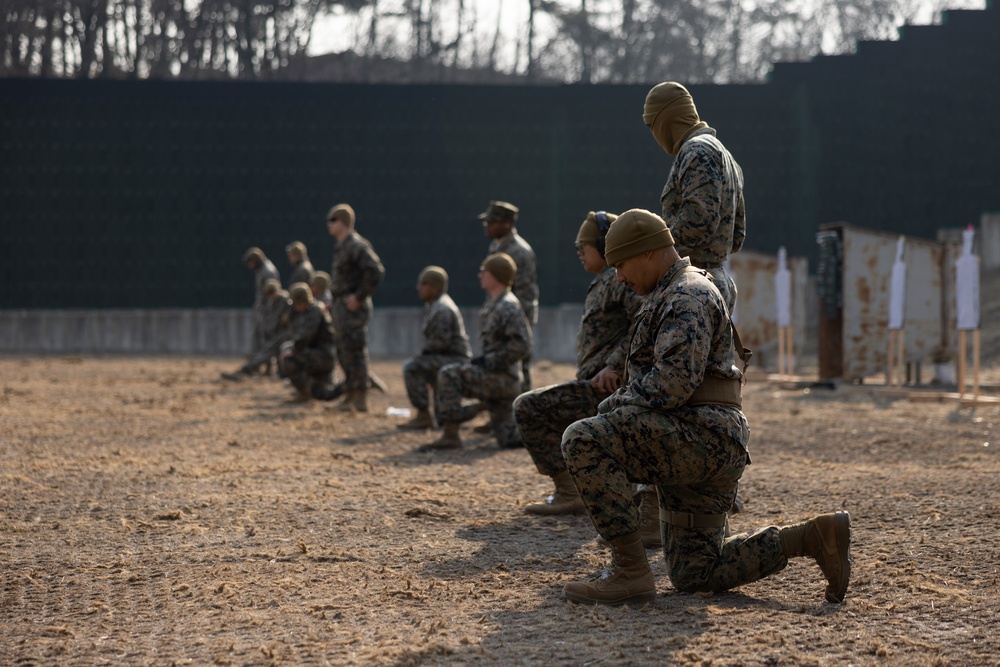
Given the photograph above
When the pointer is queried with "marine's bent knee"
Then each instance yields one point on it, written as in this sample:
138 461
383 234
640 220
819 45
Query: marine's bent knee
524 407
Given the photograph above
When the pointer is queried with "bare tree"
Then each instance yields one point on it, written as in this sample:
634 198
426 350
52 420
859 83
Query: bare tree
620 41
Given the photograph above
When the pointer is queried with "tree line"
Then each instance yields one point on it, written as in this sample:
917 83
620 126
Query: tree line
585 41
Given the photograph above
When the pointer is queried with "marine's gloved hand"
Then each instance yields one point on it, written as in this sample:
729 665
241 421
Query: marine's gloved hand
478 361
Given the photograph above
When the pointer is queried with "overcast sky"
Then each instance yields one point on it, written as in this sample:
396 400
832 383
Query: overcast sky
336 32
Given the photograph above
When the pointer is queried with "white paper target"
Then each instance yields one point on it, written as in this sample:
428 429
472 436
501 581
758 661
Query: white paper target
967 285
897 289
783 291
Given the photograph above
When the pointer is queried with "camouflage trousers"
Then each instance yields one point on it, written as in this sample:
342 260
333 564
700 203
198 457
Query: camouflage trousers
695 471
420 373
306 367
543 414
351 341
496 390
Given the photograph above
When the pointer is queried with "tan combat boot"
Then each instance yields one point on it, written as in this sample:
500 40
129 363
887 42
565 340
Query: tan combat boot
629 581
827 538
421 421
450 439
355 400
649 520
565 500
346 404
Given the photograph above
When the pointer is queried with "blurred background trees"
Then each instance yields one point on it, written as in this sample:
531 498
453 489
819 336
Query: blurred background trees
585 41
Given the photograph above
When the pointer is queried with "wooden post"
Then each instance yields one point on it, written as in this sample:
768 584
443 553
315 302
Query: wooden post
961 363
975 362
786 352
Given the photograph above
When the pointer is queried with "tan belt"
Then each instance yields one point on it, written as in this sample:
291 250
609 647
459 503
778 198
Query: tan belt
717 391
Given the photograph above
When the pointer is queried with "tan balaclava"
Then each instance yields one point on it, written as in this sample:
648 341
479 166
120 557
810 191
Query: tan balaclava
634 232
502 267
591 231
434 276
670 115
344 213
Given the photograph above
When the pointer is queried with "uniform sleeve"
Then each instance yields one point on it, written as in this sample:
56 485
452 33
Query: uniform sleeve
439 331
740 222
628 301
681 350
700 184
371 272
305 326
513 328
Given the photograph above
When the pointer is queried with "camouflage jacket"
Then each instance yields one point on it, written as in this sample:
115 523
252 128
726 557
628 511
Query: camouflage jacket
325 300
681 334
525 286
261 275
355 269
504 335
301 273
703 201
444 330
311 329
275 314
603 336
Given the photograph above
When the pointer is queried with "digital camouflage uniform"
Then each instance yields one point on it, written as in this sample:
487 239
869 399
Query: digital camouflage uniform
703 207
266 271
312 349
302 272
525 286
275 315
325 300
602 340
694 454
356 270
506 340
445 342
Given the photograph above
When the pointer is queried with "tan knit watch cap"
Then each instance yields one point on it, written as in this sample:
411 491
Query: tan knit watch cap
434 276
321 278
634 232
590 231
300 293
502 267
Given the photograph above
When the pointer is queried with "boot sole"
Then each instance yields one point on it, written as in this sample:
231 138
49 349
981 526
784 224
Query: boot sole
635 599
842 529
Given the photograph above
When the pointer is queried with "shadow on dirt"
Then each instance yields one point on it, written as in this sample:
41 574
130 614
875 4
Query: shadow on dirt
474 449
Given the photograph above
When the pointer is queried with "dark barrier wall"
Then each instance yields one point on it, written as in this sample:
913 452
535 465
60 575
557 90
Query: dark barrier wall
145 194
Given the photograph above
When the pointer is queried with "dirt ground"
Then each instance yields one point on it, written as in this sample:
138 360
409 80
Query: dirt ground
154 514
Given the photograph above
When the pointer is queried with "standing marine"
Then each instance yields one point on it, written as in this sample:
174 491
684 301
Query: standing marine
355 274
